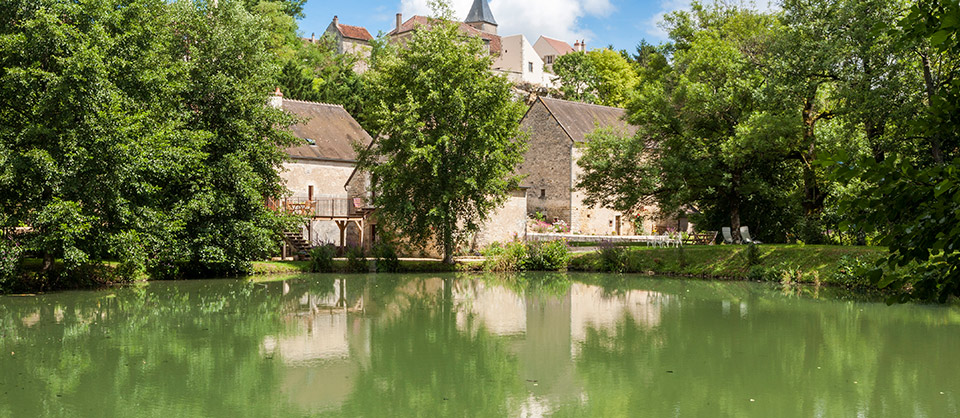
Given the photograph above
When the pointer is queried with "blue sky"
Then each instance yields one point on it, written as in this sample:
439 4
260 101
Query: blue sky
622 23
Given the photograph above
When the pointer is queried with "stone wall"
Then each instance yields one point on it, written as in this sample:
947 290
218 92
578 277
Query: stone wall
507 223
326 177
595 220
546 165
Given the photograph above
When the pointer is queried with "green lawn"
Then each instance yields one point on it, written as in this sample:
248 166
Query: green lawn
814 262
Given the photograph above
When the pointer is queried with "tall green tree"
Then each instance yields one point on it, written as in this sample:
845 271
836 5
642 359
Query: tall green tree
577 76
138 131
615 77
704 140
912 197
448 136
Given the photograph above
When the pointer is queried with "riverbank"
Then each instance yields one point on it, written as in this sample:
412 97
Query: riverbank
831 265
824 264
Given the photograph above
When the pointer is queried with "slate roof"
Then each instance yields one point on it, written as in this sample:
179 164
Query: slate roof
332 129
562 47
414 22
579 119
480 12
355 32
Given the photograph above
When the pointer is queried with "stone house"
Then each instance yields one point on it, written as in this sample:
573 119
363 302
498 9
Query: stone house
353 40
558 130
318 169
549 50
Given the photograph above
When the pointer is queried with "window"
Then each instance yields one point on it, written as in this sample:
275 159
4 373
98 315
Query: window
543 193
309 192
531 67
548 59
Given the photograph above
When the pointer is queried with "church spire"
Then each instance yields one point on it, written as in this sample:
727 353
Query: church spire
481 17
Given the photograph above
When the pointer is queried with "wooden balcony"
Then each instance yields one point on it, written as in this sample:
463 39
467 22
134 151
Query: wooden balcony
323 208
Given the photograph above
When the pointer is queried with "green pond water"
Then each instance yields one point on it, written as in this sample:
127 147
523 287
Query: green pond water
470 345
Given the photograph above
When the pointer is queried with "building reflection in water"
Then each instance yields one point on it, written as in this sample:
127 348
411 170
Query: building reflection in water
325 342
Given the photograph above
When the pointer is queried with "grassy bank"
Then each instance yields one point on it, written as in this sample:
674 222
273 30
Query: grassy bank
804 264
342 266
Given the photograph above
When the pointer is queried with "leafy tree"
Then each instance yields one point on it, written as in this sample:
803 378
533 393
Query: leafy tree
615 77
578 77
704 140
137 130
912 201
448 136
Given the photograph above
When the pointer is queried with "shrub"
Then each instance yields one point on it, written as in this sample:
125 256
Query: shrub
852 272
753 255
509 257
758 274
357 261
321 259
11 256
387 259
550 256
612 258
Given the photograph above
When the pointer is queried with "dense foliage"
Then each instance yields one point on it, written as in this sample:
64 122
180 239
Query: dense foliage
138 131
448 137
601 76
824 121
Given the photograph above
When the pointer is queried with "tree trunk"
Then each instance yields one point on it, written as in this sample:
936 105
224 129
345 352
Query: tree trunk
448 242
47 263
735 209
875 131
931 90
735 222
813 198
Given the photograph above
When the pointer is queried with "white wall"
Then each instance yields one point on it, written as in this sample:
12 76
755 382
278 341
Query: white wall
515 58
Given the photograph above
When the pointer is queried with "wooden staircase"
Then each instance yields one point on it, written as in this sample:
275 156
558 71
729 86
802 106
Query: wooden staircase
296 243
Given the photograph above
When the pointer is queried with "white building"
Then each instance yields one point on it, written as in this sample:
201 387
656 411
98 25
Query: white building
520 62
550 49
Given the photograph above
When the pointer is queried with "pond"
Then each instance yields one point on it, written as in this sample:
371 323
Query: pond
471 345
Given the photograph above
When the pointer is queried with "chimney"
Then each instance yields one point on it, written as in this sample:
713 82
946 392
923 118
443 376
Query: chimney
583 45
336 21
276 100
399 21
313 37
576 47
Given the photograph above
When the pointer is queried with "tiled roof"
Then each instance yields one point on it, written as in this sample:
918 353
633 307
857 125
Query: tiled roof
417 21
579 119
355 32
330 127
562 47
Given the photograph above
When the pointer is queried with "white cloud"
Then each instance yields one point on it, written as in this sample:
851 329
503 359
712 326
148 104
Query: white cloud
558 19
653 28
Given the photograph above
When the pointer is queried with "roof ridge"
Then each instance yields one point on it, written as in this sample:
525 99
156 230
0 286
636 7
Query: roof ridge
311 102
583 103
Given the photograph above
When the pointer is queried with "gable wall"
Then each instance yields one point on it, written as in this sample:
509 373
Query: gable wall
546 165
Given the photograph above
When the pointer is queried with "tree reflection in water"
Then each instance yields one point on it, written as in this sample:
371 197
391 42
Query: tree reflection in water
497 345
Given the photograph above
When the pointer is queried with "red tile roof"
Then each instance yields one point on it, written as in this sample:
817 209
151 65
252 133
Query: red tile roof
414 22
354 32
562 47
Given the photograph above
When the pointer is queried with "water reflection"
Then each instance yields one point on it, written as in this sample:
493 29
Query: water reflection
528 345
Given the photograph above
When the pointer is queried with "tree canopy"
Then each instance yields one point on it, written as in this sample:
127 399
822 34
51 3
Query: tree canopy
138 131
448 136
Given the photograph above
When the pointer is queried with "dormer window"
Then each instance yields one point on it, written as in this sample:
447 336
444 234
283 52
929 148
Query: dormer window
310 141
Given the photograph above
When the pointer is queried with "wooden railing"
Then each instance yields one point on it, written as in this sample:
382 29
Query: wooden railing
328 207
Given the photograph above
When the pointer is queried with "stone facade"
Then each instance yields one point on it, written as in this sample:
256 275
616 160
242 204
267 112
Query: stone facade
507 223
547 165
557 132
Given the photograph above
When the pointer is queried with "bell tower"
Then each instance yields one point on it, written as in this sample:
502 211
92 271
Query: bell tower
481 18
